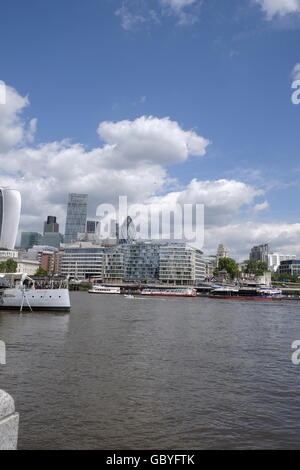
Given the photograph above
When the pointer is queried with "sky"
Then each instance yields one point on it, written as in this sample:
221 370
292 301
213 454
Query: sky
169 101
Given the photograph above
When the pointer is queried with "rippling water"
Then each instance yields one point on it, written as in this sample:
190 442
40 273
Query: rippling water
155 373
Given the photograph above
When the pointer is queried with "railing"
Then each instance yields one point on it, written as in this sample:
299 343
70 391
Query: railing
9 422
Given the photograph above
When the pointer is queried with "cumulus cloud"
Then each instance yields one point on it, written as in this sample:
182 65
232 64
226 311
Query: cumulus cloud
274 8
13 129
149 139
131 161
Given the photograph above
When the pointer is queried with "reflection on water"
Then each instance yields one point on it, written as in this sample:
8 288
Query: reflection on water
155 374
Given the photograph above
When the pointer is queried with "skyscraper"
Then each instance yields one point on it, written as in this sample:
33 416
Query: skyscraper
10 210
51 225
76 216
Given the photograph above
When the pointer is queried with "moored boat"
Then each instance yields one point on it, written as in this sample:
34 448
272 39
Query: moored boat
19 292
246 293
99 289
170 292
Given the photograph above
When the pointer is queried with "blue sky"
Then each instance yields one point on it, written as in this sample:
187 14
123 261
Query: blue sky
220 69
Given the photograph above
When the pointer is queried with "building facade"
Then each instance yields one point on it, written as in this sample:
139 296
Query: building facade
274 260
76 216
51 226
290 267
82 262
181 264
10 211
29 239
260 253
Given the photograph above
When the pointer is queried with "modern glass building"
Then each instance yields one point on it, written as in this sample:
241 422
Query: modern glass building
132 262
181 264
290 267
176 264
76 216
10 210
82 263
29 239
260 253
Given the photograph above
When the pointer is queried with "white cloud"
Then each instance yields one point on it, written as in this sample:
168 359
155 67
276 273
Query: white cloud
150 139
279 7
261 207
296 72
13 130
181 9
130 162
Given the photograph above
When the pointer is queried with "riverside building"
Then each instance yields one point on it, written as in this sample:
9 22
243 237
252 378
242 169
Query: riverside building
83 261
181 264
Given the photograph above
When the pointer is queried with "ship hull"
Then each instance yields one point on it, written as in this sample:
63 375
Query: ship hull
35 299
227 297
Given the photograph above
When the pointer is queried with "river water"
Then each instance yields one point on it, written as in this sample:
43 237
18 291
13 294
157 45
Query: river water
155 373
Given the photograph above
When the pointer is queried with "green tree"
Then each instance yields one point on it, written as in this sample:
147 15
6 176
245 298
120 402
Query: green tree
8 266
41 272
229 265
256 267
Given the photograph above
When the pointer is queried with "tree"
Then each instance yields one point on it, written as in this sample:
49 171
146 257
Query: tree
41 272
229 265
8 266
258 268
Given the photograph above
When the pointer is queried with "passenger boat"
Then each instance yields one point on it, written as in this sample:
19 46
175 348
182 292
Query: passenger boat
19 292
98 289
170 292
246 293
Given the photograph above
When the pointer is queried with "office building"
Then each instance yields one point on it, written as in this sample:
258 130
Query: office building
132 262
83 261
52 239
76 216
10 210
274 260
91 226
290 267
260 253
51 226
181 264
29 239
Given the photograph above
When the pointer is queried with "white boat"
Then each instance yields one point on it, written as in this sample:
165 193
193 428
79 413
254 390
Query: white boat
98 289
170 292
20 292
129 296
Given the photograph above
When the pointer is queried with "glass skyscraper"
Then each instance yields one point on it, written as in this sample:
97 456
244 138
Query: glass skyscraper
76 216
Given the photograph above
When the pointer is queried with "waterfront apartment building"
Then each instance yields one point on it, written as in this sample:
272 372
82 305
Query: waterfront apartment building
76 216
83 261
10 210
260 253
290 267
181 264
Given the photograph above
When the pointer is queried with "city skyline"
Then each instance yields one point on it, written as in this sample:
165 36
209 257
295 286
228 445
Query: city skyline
165 136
